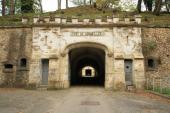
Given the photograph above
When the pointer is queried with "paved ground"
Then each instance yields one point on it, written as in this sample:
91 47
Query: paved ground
78 100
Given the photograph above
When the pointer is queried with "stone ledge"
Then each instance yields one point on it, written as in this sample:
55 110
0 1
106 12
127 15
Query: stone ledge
83 25
74 20
161 95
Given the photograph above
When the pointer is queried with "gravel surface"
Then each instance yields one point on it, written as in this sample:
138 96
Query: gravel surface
79 100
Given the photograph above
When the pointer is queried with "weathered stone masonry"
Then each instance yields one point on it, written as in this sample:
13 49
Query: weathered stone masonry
156 46
15 44
22 50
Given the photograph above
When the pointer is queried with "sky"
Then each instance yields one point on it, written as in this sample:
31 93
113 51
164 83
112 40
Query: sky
51 5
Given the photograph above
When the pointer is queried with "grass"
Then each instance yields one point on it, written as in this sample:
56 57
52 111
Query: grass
165 91
88 12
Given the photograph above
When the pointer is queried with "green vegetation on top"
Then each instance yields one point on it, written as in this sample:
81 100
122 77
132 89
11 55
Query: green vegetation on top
88 12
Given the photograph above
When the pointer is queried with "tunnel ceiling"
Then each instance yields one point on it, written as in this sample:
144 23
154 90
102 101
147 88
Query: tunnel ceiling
83 52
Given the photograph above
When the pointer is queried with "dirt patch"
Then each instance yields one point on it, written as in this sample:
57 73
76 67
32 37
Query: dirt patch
153 96
8 89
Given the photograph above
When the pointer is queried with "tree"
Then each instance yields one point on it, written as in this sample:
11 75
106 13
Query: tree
3 2
59 4
167 4
21 6
66 4
84 2
79 2
12 7
38 6
148 5
158 5
102 4
8 7
27 6
139 6
91 2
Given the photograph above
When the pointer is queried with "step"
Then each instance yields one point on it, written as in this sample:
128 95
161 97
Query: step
42 87
131 88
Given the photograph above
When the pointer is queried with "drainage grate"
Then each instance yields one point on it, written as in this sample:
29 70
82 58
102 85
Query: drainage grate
90 103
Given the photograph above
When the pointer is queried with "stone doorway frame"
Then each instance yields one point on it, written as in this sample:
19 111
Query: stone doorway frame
109 58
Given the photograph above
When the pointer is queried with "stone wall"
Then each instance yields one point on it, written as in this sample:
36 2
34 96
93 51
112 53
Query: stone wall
15 44
122 42
156 46
54 43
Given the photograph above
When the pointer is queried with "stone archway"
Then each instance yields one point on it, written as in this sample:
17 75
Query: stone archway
83 57
97 51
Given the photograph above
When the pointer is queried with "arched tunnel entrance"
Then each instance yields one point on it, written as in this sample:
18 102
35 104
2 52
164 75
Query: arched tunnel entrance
87 66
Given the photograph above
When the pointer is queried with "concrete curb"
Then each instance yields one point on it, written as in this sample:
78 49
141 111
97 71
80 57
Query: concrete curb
161 95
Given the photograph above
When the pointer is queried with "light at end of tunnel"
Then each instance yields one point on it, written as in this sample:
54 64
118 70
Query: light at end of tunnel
88 71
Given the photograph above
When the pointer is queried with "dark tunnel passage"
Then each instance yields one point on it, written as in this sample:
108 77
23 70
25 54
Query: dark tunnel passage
87 66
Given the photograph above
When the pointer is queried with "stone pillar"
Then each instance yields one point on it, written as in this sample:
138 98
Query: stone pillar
54 74
119 73
64 72
34 74
138 73
109 68
1 74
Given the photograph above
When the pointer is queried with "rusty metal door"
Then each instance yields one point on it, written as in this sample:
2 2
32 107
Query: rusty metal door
45 70
128 72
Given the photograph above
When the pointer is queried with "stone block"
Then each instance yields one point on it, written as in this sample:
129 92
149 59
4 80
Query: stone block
115 19
24 20
127 20
47 19
74 20
109 20
98 21
138 19
86 21
64 20
57 19
35 19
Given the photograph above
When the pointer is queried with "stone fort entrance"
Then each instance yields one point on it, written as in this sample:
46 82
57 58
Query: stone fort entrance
76 55
87 66
59 53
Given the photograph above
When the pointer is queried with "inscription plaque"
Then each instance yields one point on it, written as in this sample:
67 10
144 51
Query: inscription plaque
97 33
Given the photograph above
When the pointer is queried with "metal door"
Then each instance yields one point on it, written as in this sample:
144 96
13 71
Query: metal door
45 69
128 72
